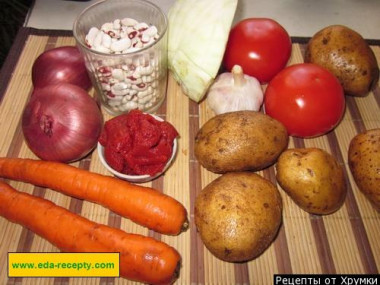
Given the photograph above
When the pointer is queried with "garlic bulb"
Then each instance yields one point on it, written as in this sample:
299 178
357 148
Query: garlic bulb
235 91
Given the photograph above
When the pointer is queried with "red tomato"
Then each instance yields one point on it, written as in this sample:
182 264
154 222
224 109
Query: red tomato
261 46
306 98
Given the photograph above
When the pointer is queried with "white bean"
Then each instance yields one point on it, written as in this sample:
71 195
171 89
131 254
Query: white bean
106 87
106 40
145 38
139 87
141 26
131 105
90 37
123 34
136 74
136 44
120 86
133 80
147 70
123 108
125 66
118 74
102 49
150 90
148 105
126 99
112 81
145 99
128 22
151 40
120 89
133 92
106 27
116 24
151 31
98 39
114 103
142 94
121 45
147 79
121 93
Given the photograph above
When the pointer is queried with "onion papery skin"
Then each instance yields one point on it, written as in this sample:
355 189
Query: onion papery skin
60 65
61 122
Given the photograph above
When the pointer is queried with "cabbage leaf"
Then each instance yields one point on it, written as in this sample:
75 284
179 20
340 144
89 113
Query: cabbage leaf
198 34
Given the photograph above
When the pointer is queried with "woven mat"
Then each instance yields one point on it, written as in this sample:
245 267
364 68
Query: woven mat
344 242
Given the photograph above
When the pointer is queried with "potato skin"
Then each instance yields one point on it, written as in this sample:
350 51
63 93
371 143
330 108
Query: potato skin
364 163
347 55
313 179
238 215
239 141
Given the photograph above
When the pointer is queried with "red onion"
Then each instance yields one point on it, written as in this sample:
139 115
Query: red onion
60 65
61 123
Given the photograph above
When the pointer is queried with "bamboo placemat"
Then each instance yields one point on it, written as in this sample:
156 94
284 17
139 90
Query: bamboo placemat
345 242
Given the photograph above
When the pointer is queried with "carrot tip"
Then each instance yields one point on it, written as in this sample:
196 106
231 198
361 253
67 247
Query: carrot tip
176 272
185 225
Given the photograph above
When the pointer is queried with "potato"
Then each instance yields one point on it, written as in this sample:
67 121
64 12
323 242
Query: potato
239 141
347 55
238 215
364 163
313 179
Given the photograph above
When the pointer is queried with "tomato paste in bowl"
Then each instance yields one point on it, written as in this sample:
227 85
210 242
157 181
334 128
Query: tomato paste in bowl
137 146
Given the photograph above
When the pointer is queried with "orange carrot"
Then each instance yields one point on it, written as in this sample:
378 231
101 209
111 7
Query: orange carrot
143 205
142 258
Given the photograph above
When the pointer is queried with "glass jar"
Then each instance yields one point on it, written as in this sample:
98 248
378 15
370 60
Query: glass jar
135 78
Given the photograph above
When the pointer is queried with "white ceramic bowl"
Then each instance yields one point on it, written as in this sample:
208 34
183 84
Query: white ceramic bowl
136 178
